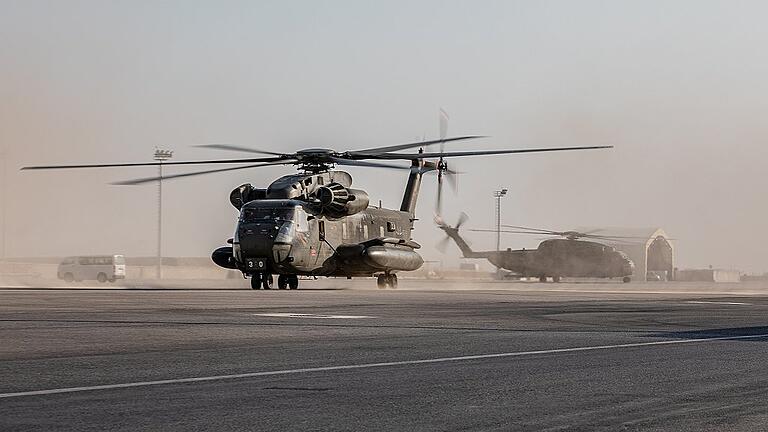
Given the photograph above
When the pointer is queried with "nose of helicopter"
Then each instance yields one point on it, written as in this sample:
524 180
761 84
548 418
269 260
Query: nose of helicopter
263 240
256 240
629 266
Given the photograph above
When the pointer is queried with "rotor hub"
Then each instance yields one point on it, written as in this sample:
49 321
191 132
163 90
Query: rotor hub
316 160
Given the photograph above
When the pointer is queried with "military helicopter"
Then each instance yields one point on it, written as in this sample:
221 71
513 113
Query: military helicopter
314 223
556 258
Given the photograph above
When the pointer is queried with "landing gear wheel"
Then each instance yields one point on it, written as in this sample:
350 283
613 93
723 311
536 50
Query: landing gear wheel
256 281
69 278
381 281
282 282
626 279
102 278
393 281
556 279
293 282
542 278
266 281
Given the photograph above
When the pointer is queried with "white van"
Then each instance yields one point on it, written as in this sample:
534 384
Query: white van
102 268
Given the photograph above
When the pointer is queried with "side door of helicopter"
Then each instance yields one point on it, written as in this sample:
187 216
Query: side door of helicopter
305 242
326 236
312 245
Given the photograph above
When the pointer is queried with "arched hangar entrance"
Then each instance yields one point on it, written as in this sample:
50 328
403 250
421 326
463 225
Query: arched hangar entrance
660 257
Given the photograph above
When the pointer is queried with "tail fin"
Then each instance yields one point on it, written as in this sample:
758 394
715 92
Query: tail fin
453 233
411 195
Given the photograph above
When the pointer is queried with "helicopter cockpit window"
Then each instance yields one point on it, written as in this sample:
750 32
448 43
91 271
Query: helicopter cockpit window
266 214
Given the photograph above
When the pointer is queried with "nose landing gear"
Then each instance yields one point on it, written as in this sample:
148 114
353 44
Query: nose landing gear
261 280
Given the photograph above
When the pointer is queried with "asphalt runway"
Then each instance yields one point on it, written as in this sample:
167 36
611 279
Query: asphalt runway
493 356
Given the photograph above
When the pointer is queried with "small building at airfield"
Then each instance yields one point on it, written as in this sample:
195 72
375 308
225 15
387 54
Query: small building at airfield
708 275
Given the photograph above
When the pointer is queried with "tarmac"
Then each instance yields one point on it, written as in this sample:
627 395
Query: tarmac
342 355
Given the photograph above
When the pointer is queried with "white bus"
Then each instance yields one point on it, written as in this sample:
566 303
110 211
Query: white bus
102 268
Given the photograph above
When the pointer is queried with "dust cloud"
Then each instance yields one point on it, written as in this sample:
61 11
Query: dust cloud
677 87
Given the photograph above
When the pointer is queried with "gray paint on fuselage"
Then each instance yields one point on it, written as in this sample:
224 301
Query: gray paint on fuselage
366 225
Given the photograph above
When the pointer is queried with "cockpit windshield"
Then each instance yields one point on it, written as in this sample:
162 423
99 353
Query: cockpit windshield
267 214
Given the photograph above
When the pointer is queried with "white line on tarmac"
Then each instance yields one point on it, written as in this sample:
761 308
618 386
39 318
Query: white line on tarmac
720 303
629 291
315 316
369 366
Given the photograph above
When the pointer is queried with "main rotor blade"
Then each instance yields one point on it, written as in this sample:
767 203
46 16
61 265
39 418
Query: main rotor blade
341 161
589 234
239 149
622 242
511 232
592 231
277 160
611 237
397 147
413 156
534 230
191 174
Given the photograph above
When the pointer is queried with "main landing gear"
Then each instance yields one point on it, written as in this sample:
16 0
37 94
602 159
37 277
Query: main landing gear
386 281
288 281
266 281
555 279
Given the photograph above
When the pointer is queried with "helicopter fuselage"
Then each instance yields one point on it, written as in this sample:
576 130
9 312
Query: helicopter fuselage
565 258
285 237
555 258
316 225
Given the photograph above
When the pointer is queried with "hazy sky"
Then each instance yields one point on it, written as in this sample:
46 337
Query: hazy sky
679 87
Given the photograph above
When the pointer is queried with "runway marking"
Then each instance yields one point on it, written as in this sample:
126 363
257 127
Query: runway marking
369 366
315 316
630 291
720 303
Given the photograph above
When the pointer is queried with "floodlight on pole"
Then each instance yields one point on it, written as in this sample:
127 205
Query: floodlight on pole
3 200
499 194
160 156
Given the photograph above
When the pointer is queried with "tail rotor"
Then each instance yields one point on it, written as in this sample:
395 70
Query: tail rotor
443 244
